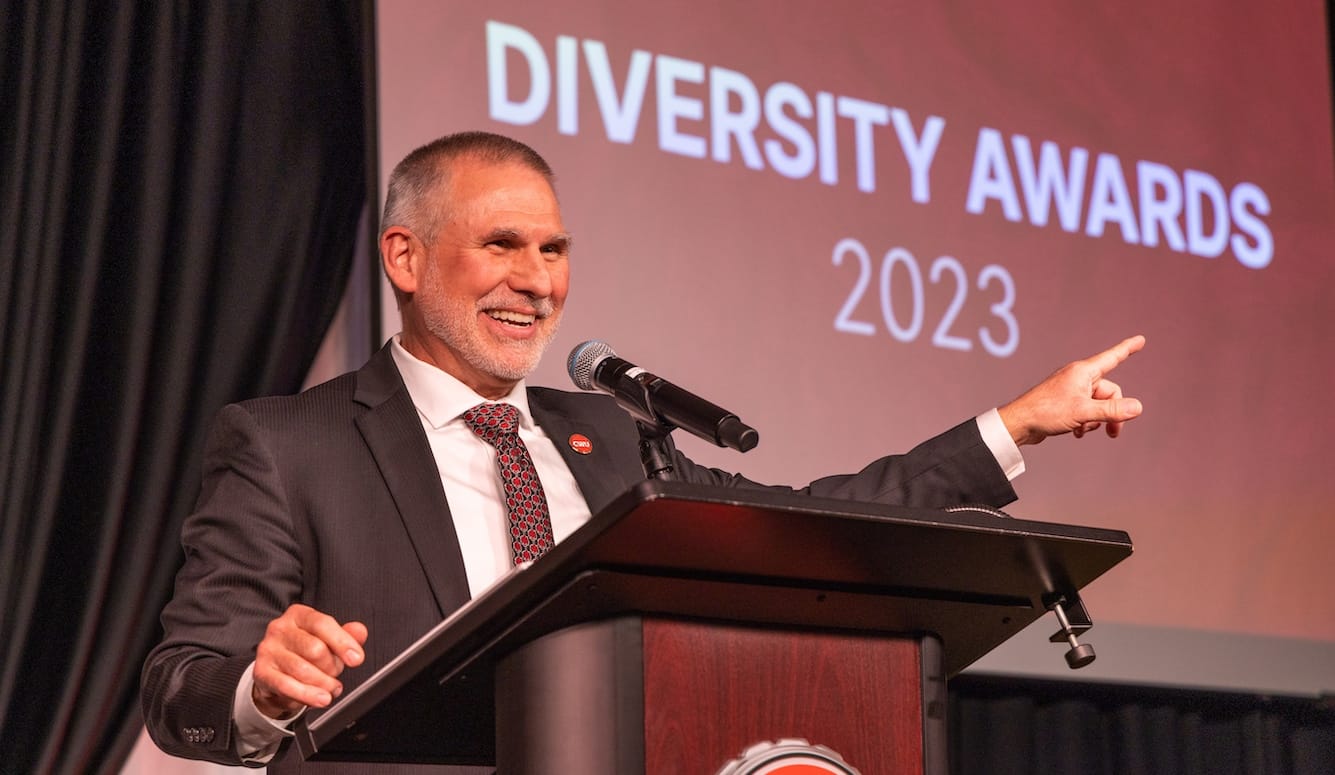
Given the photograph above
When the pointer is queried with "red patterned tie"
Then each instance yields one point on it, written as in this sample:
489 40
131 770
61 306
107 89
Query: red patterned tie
530 524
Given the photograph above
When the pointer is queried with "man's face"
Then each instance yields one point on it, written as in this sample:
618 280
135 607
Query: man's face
493 285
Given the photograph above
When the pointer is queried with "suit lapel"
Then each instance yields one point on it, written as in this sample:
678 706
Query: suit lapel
394 435
612 464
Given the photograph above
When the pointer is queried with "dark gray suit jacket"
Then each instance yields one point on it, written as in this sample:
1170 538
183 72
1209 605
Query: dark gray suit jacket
332 498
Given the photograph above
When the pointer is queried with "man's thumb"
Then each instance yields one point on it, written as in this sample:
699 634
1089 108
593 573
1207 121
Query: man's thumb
1122 409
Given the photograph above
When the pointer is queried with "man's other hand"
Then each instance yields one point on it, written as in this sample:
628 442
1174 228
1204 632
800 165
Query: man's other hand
298 663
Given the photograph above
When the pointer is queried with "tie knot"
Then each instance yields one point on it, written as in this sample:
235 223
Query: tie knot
493 422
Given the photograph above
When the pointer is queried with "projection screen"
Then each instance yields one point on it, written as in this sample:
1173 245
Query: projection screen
857 224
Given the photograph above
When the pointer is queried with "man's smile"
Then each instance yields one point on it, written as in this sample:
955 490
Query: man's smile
511 317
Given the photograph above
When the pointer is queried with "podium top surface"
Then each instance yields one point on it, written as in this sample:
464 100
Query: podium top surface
745 556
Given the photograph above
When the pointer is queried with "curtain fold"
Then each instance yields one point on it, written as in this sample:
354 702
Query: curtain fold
180 190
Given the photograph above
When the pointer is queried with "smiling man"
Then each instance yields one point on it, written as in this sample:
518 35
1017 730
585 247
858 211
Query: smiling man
337 526
481 281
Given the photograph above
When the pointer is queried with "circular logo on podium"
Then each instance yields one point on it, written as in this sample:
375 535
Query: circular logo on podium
788 757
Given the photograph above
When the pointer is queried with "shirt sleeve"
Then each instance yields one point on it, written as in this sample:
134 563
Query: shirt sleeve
999 441
257 735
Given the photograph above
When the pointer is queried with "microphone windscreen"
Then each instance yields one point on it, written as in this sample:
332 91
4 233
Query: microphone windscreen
584 359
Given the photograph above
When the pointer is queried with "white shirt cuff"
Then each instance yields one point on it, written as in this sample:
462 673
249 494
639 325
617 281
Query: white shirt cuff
257 735
999 441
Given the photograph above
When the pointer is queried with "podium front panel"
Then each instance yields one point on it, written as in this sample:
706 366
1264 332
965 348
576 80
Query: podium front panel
662 696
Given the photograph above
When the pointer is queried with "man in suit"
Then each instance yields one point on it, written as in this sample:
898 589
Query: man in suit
335 527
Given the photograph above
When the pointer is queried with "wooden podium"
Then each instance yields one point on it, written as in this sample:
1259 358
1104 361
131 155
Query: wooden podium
683 626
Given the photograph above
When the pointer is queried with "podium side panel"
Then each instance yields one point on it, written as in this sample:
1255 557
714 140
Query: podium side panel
572 702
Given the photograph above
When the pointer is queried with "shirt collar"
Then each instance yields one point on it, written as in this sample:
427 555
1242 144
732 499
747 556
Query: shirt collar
440 397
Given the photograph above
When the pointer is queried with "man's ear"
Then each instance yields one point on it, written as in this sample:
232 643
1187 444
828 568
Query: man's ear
402 253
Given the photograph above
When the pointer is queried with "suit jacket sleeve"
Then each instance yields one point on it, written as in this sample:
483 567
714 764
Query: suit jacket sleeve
241 570
953 468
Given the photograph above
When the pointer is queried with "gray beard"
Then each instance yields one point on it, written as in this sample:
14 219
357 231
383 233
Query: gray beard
458 329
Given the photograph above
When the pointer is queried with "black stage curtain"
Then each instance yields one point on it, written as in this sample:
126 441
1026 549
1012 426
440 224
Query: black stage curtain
180 189
1016 726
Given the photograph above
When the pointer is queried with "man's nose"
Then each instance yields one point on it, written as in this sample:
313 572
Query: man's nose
530 272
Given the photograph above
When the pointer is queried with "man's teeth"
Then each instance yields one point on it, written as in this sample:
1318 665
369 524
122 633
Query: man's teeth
517 318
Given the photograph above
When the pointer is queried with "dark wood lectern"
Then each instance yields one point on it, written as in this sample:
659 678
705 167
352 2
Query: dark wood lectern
684 625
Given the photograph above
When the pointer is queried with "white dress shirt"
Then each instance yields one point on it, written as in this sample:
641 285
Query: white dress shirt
467 466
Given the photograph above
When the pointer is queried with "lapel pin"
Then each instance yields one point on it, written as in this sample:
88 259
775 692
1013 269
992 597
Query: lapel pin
580 443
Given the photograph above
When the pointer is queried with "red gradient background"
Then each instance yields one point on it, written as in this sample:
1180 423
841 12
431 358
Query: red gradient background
720 277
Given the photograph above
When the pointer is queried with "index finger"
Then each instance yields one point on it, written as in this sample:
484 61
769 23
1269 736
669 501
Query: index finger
1108 360
338 640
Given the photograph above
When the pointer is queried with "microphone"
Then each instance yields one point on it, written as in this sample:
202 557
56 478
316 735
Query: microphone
593 365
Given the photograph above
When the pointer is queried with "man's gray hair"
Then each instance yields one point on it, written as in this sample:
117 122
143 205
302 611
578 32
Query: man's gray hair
416 179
